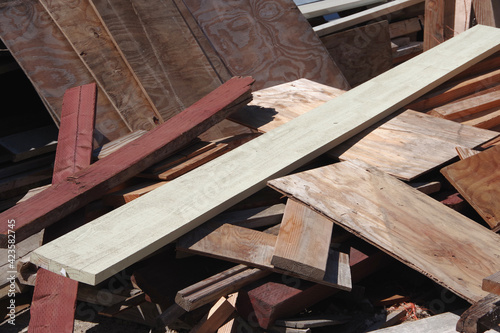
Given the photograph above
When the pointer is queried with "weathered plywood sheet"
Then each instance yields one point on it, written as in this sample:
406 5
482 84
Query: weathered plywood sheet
271 41
411 226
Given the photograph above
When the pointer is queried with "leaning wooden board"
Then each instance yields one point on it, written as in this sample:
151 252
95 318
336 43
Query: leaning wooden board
51 64
269 40
433 239
114 241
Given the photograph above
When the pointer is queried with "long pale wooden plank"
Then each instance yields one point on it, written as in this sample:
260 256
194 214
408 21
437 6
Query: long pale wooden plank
89 184
271 41
325 7
83 29
51 64
303 243
363 16
171 65
477 178
412 227
112 242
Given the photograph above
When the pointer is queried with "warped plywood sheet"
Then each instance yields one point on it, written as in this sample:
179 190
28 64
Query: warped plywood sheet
114 241
414 228
51 64
87 35
477 179
271 41
161 50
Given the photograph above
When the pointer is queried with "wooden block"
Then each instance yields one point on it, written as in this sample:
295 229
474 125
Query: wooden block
361 53
92 182
103 60
274 44
477 179
171 66
74 143
245 170
326 7
387 222
53 312
363 16
303 242
221 312
405 27
491 283
481 316
44 53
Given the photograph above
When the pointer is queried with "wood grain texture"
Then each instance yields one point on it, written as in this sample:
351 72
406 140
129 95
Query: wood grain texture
361 53
51 64
449 248
434 25
405 27
326 7
303 242
488 119
161 51
487 12
272 42
74 143
94 181
491 283
411 144
169 209
477 179
363 16
96 49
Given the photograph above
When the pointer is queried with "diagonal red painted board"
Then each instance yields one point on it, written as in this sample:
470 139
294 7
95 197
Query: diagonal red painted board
53 312
74 144
92 182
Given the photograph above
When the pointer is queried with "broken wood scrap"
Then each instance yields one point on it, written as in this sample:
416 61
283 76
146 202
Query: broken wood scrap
92 182
325 7
477 180
232 325
184 206
303 243
361 53
401 145
254 50
363 16
218 315
39 44
171 66
421 251
481 316
104 61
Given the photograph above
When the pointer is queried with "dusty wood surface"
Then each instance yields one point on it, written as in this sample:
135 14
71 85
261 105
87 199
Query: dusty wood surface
477 178
272 42
403 222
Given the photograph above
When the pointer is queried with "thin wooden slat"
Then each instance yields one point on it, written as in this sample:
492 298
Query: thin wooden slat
170 65
434 25
488 119
487 12
463 13
51 64
477 179
74 143
192 199
363 16
303 243
326 7
94 181
435 240
94 46
271 41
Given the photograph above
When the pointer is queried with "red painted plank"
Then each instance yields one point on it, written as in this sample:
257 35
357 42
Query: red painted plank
74 144
53 312
91 183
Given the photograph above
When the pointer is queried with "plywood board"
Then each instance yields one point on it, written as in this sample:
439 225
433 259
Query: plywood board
271 41
161 50
114 241
51 64
435 240
477 179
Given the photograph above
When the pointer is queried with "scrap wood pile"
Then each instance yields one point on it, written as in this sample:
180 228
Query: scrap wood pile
252 165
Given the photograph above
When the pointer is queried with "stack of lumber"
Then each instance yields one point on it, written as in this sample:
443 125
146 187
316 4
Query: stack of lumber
247 165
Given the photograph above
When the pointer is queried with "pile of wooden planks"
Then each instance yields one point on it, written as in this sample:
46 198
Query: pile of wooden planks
247 171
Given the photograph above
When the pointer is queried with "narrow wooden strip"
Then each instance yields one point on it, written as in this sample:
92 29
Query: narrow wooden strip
491 283
303 243
104 61
93 182
487 12
74 144
477 179
434 23
363 16
392 216
488 119
405 27
53 312
325 7
188 201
